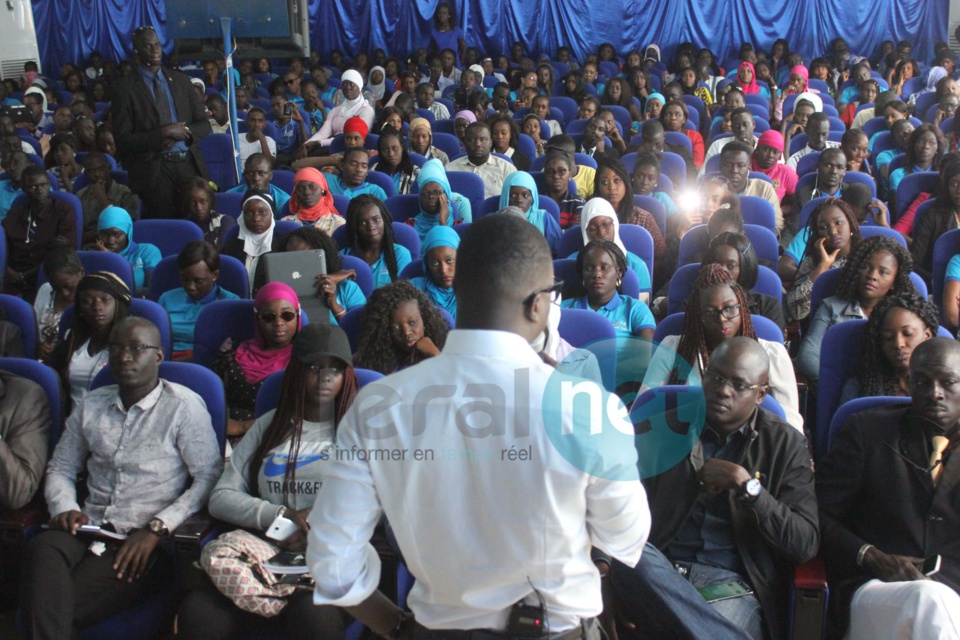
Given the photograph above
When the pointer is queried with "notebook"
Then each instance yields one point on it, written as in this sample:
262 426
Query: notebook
299 270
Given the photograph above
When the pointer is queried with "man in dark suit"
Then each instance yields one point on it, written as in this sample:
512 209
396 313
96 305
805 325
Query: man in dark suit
738 507
158 120
889 496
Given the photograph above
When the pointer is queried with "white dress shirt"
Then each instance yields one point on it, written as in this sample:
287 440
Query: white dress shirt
475 529
493 172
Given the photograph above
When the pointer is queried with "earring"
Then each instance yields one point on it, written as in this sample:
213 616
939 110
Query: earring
619 281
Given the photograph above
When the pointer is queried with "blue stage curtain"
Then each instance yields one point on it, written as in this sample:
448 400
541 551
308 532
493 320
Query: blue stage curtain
68 30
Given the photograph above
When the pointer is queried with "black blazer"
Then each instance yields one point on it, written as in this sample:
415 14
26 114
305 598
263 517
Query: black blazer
136 124
868 493
774 534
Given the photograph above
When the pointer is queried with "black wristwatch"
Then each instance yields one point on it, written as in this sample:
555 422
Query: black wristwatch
157 527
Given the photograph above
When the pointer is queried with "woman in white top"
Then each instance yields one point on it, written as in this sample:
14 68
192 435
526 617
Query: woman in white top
353 104
718 309
277 469
102 301
64 272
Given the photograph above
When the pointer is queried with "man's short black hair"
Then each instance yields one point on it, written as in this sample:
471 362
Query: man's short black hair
352 150
735 146
496 258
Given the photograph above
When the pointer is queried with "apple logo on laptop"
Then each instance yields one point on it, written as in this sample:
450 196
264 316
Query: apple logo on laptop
296 275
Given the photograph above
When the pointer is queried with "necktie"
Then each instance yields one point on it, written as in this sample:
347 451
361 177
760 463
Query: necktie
163 107
939 446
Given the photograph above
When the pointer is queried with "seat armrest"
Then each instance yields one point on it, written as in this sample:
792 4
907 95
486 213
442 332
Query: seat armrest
195 528
811 575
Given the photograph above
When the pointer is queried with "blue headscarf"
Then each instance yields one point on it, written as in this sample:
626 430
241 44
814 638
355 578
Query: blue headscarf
118 218
444 298
535 214
432 171
656 96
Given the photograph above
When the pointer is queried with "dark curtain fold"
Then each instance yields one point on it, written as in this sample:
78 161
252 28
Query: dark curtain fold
68 30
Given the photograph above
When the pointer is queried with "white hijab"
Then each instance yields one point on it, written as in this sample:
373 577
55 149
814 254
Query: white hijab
596 208
350 108
256 244
812 98
377 89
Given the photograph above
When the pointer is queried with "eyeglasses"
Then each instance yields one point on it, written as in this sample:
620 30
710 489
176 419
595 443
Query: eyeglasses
552 290
714 315
290 81
117 350
270 317
739 387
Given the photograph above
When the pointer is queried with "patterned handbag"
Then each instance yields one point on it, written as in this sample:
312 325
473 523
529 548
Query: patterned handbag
234 562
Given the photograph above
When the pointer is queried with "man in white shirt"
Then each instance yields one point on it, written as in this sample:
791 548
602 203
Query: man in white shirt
437 449
480 160
742 125
255 140
817 130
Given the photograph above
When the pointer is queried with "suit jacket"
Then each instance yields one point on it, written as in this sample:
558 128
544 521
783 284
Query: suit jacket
24 428
868 494
136 124
776 533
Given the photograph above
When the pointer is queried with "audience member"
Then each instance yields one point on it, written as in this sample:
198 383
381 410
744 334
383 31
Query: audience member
439 206
24 434
886 475
312 201
735 254
199 266
520 190
353 105
13 165
370 237
735 162
33 227
151 458
199 202
102 192
479 160
748 477
294 443
115 234
256 237
401 327
64 272
439 249
421 141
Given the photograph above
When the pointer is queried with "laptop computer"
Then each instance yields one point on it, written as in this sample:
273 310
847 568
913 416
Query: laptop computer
299 270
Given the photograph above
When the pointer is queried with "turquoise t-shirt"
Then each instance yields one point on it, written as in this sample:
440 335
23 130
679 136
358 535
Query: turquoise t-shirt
280 197
669 207
381 275
184 311
629 316
953 270
349 295
337 188
897 175
798 245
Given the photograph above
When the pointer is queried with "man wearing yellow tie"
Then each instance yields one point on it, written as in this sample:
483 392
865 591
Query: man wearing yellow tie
889 494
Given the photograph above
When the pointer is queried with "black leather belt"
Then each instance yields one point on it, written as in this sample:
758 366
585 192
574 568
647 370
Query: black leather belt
585 631
174 156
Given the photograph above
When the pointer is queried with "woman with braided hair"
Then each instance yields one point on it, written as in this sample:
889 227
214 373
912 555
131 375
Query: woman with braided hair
370 238
401 327
899 323
833 232
277 469
876 267
717 310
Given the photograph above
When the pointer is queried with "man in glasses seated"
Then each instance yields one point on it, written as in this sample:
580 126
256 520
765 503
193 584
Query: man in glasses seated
151 458
733 510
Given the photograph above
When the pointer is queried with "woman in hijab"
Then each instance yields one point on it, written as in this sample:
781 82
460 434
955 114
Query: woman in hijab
747 81
421 141
767 159
353 105
243 368
654 105
312 202
115 234
440 266
256 236
438 204
377 84
461 121
599 221
933 77
520 190
798 82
